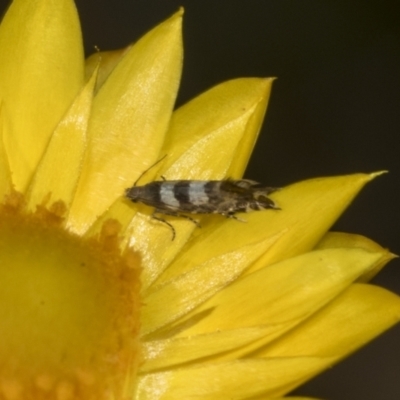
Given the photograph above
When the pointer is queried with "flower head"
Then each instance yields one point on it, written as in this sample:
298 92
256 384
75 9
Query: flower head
96 301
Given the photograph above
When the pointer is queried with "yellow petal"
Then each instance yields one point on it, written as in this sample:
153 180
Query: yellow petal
309 208
107 60
240 379
131 113
175 351
198 285
212 136
41 71
59 175
287 291
283 398
339 239
354 318
5 173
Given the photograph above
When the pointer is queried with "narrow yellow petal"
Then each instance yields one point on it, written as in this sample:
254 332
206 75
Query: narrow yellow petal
224 120
107 60
230 264
285 398
193 288
131 113
287 291
262 397
338 239
309 208
354 318
5 173
59 175
41 71
240 379
172 352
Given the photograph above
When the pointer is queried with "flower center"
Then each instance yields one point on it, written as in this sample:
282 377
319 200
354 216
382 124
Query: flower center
68 310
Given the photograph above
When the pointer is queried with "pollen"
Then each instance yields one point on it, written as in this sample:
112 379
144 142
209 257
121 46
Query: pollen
69 308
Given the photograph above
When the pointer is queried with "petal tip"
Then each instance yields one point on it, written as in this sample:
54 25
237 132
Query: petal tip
373 175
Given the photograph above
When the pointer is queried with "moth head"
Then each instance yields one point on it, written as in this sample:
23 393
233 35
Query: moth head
133 194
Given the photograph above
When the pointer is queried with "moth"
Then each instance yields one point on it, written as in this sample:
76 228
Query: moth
181 197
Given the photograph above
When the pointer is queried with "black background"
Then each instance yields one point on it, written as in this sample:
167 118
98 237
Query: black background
334 110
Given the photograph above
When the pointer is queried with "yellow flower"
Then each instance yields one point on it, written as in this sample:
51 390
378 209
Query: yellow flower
228 311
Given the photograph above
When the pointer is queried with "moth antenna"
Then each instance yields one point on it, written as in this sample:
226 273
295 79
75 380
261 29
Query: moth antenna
147 170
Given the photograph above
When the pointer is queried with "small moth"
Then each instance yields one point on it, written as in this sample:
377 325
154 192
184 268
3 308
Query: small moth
180 197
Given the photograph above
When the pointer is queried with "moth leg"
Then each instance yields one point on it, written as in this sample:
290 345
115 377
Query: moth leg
197 223
233 216
188 218
164 221
173 214
179 215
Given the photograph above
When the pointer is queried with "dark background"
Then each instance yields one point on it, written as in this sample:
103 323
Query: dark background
334 110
